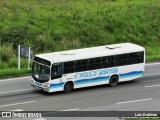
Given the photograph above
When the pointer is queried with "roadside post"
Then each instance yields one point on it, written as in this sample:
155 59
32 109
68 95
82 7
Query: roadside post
19 59
29 57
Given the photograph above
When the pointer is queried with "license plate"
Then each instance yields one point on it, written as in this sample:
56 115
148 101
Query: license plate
38 84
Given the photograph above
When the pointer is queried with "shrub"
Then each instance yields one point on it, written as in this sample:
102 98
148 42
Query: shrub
13 63
3 65
24 63
13 72
6 52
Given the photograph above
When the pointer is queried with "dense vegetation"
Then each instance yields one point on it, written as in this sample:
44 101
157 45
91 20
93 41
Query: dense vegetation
53 25
14 72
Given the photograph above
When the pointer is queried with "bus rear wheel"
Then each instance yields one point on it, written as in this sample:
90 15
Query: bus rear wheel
113 81
68 87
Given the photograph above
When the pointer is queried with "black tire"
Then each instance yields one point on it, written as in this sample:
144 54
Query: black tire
113 81
68 87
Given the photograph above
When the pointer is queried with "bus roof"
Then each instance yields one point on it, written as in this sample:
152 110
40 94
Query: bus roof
106 50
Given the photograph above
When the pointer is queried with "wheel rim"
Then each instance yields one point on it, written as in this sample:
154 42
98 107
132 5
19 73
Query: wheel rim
114 81
68 87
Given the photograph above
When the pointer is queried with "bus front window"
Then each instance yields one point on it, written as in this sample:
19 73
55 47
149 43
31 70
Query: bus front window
40 73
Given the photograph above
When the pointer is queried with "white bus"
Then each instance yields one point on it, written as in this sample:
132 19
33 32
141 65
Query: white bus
68 70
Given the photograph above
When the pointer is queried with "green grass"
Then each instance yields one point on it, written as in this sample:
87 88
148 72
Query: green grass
13 73
144 119
10 69
13 63
55 25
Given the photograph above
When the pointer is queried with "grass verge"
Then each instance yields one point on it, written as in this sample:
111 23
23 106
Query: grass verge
5 73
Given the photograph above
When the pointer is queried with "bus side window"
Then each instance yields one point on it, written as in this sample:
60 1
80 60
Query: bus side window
121 59
108 61
142 57
135 58
81 65
68 67
56 71
95 63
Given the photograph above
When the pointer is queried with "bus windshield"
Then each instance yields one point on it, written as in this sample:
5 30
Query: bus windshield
40 73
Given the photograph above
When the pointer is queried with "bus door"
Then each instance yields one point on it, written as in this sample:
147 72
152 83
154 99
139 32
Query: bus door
56 75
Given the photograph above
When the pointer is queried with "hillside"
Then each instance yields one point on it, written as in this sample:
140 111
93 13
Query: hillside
54 25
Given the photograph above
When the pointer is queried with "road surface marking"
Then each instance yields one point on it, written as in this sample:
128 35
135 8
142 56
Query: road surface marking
15 91
153 86
40 119
17 110
10 79
152 74
148 64
134 101
17 103
74 109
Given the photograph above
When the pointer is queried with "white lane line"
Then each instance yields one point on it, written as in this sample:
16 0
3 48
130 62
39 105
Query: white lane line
10 79
17 110
134 101
153 86
16 91
74 109
40 119
152 74
18 103
148 64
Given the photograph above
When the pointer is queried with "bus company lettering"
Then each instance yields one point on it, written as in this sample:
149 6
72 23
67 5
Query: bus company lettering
96 73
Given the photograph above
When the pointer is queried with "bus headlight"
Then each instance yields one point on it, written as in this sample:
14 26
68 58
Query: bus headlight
46 84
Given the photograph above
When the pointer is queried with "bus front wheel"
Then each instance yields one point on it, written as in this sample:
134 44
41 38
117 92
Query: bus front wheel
113 81
68 87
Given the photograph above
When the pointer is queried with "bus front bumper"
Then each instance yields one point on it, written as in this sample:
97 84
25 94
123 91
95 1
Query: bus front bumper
41 86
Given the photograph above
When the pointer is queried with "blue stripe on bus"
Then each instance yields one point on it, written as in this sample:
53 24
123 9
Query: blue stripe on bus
98 79
104 78
131 74
57 85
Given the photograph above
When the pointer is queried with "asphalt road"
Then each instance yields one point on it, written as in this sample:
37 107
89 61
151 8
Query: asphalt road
16 94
